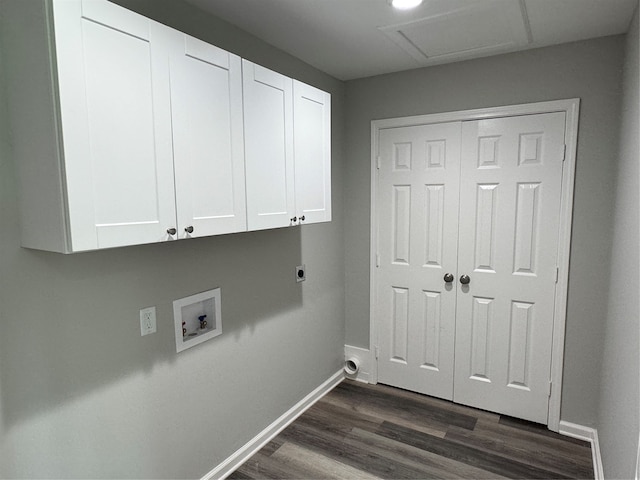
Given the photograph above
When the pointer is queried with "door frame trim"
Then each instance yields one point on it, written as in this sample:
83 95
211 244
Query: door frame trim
571 108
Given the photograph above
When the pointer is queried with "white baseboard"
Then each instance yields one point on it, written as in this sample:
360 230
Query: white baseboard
587 434
243 454
363 355
638 460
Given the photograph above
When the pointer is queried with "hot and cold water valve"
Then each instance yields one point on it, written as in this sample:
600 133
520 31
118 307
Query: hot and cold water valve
197 318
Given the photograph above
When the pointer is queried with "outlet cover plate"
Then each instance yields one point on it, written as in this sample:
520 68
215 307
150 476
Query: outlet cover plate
301 273
147 321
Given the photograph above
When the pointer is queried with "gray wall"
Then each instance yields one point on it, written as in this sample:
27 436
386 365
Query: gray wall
620 382
83 395
590 70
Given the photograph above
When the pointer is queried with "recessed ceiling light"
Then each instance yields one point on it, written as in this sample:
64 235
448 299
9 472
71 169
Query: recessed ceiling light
405 4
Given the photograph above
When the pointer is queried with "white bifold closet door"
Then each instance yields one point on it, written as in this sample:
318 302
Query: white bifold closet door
417 202
484 204
508 243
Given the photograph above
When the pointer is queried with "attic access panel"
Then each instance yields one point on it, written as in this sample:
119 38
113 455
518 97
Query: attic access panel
482 28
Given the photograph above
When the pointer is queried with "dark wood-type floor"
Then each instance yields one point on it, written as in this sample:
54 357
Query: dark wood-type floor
363 431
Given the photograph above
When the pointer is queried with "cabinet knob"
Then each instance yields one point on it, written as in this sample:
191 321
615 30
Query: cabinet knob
464 279
172 231
302 218
189 229
294 219
448 278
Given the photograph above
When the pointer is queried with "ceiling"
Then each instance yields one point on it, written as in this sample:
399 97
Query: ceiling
359 38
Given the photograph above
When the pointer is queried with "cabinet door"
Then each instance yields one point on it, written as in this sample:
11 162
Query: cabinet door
116 126
206 104
312 153
268 120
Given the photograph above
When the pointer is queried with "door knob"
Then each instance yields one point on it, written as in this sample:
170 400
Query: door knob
171 231
464 279
448 278
189 229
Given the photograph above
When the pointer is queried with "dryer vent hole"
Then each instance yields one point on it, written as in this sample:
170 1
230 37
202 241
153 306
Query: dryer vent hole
351 367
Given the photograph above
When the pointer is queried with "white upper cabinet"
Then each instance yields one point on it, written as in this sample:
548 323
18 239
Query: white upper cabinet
206 105
312 153
116 125
268 124
288 150
127 132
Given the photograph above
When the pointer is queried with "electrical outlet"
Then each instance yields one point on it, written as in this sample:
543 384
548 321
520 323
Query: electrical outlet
301 273
147 321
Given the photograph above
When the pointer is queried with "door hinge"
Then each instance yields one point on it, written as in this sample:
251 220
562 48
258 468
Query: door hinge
376 351
377 260
564 152
378 162
550 385
557 274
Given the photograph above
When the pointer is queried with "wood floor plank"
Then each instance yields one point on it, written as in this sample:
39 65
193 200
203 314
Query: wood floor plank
272 446
331 413
524 452
239 475
462 453
361 409
432 402
432 465
316 465
326 443
266 467
381 402
548 442
433 428
313 419
539 430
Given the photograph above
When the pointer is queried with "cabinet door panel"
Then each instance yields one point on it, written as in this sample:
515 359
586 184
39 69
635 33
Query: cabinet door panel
268 117
206 99
115 17
114 109
312 149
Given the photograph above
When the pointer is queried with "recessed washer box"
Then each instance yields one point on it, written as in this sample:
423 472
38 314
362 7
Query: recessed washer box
197 318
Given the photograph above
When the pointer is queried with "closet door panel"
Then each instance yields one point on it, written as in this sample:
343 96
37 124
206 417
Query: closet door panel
509 225
417 218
